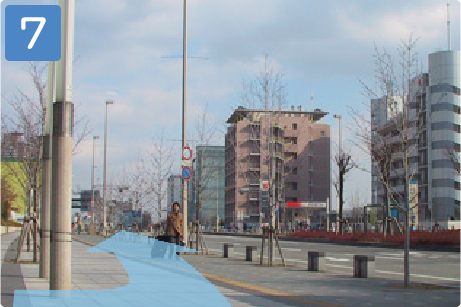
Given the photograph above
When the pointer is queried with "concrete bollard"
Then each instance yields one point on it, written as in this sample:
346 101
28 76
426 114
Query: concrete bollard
316 261
364 266
250 252
228 249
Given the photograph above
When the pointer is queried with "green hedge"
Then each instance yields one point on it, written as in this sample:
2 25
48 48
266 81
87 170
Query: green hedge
11 223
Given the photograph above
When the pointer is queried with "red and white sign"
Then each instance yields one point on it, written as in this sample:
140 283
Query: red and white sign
265 185
306 204
186 153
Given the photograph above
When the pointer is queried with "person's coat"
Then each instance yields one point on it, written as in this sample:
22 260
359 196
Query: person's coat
174 223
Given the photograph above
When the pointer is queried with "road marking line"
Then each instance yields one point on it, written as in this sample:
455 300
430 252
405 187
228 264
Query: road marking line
338 259
418 275
291 249
267 291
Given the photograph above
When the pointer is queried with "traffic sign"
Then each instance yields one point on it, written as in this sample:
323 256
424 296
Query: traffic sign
186 153
265 185
186 173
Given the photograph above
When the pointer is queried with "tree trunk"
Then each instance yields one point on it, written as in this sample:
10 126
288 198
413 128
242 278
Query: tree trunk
341 182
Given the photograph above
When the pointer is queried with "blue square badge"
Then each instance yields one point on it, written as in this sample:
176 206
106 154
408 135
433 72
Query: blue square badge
33 32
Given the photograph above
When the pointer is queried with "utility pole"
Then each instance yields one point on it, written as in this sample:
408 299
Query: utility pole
108 102
92 183
45 215
60 277
184 122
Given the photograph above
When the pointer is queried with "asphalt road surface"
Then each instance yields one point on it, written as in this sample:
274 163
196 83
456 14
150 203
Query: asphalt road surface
442 268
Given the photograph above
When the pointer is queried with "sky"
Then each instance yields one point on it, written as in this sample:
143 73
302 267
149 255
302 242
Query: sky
126 50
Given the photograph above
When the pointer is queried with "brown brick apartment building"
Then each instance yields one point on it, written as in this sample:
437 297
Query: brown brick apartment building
298 148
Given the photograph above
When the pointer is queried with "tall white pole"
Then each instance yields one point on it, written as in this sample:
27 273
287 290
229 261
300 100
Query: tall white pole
448 25
45 214
92 183
60 269
184 122
105 172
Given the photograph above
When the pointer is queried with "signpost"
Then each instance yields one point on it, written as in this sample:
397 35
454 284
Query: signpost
186 173
186 153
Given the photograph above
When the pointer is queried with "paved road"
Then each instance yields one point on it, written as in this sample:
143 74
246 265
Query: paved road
441 268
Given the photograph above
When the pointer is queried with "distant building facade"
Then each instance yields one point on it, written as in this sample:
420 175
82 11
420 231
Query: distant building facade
208 182
435 189
174 186
292 144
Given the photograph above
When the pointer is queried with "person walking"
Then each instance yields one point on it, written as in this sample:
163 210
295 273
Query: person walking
174 225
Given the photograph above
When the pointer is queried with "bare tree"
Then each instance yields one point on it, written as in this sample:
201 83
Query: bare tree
402 82
159 169
137 179
22 129
380 147
345 164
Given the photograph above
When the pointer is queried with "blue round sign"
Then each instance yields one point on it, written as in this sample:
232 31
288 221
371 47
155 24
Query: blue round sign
186 173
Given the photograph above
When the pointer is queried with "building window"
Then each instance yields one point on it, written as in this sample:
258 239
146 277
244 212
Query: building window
442 144
295 141
294 186
295 171
443 126
443 107
446 88
295 126
445 163
322 133
442 183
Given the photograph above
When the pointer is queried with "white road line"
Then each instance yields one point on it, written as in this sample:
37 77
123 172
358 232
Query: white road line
418 275
338 259
291 249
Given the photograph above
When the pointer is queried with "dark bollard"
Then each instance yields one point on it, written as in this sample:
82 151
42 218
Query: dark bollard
316 261
228 249
250 252
364 266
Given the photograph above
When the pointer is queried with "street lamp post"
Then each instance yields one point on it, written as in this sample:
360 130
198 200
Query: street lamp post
108 102
92 182
61 248
184 140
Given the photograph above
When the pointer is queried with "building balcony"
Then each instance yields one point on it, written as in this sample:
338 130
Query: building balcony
279 140
255 154
255 169
254 198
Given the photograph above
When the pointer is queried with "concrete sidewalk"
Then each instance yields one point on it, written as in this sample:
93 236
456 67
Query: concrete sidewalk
93 271
295 285
244 284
